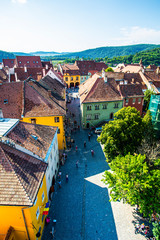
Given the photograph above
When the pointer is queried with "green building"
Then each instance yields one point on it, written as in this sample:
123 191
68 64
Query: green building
99 100
154 108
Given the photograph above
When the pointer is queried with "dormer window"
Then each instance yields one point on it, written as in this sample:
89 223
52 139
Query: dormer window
20 62
5 101
27 61
33 61
36 61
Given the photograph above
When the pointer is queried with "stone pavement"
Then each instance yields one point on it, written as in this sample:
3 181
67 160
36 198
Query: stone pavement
81 207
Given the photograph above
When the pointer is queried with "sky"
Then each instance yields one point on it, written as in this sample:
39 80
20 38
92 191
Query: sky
76 25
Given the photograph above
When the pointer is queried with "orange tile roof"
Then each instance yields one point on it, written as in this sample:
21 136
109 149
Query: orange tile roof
23 134
21 176
96 89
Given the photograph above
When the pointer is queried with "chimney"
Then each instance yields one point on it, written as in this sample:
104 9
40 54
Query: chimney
49 93
1 113
25 68
39 76
46 66
44 72
132 80
104 75
157 70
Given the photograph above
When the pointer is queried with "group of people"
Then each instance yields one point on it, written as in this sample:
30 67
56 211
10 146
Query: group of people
142 228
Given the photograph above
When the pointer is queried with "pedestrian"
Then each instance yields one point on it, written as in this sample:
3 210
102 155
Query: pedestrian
59 184
77 164
76 148
92 152
84 144
66 178
142 227
89 137
137 226
59 174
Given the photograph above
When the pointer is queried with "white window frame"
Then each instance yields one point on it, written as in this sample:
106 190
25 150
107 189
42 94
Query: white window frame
37 213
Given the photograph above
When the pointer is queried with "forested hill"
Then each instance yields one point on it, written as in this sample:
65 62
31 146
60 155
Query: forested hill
110 52
4 55
148 57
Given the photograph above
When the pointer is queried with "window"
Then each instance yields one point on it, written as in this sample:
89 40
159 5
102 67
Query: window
20 62
71 78
139 100
116 105
66 78
104 106
89 108
58 131
89 117
11 61
37 213
56 119
35 201
96 107
111 116
76 78
96 116
33 61
134 100
42 196
85 78
5 101
27 61
126 100
36 61
33 120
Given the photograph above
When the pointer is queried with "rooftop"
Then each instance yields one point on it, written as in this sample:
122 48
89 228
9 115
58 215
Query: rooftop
6 124
21 176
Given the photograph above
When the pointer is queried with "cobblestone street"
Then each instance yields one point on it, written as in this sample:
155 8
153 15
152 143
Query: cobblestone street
81 207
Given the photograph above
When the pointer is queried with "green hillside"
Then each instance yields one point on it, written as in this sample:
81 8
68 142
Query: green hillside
4 55
148 57
110 52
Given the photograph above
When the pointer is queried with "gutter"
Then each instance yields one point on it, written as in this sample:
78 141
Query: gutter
25 223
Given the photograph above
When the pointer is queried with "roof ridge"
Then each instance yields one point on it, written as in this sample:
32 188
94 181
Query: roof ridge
48 100
90 89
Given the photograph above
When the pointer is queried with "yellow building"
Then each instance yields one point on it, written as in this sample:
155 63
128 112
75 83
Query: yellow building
71 75
23 194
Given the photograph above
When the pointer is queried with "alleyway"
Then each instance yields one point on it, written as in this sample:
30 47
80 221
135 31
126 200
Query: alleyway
81 207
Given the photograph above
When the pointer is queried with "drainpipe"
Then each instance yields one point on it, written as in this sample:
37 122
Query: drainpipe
25 223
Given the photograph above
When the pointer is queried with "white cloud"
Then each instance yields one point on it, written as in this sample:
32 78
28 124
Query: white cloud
138 34
19 1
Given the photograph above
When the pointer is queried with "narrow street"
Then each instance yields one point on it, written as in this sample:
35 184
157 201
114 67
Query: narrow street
81 206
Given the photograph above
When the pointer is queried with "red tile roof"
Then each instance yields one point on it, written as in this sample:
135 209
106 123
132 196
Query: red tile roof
30 99
23 134
96 89
46 64
28 61
21 176
24 73
9 62
131 90
54 85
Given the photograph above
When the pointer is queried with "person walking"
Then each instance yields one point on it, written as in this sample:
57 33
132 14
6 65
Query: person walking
76 148
66 178
89 136
92 152
77 164
84 144
59 184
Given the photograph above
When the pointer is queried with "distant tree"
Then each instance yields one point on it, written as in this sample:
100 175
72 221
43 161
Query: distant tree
135 182
147 97
109 69
122 135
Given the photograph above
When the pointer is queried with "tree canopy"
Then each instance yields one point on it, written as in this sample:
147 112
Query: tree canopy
147 97
135 181
122 135
109 69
